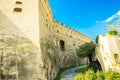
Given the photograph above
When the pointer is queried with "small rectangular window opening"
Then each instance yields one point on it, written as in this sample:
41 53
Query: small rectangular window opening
18 9
18 2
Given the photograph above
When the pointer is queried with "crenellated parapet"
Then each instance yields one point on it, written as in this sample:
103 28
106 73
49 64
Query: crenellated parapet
50 25
69 32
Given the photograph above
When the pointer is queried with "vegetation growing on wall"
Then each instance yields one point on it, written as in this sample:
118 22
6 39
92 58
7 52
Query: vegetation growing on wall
112 32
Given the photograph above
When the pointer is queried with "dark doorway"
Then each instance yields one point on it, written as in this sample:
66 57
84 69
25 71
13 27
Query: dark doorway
62 45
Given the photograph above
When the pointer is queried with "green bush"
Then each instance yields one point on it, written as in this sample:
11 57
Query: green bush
99 75
90 75
112 33
79 77
112 75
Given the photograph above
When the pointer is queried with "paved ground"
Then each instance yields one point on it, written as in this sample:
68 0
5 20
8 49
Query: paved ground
70 74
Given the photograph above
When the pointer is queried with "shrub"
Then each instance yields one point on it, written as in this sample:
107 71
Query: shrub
112 75
112 33
99 75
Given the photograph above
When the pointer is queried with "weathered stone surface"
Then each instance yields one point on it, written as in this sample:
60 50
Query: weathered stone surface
18 57
108 52
33 46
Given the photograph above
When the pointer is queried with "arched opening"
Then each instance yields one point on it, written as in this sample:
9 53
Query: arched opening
116 57
57 31
62 45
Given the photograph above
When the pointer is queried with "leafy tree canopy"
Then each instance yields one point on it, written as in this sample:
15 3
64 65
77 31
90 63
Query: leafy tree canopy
86 50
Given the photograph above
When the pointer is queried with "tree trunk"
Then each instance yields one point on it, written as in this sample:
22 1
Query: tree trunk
90 57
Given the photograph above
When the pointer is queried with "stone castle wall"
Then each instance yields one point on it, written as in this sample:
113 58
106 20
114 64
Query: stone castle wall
108 52
58 42
37 45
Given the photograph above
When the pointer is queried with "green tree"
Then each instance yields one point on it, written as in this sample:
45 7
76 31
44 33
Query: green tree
96 40
86 50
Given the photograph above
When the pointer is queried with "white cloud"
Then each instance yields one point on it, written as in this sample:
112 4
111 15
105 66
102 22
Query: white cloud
117 15
113 17
99 21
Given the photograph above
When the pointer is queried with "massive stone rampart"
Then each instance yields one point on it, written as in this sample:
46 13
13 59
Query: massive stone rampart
33 46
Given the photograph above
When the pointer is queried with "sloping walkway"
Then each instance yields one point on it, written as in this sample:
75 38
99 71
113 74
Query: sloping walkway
70 74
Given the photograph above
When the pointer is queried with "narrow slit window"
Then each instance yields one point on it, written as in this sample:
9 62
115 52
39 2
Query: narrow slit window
17 9
18 2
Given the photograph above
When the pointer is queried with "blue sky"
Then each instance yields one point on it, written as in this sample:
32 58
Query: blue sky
89 17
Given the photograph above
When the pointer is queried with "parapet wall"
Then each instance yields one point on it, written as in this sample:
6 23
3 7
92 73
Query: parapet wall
53 26
69 32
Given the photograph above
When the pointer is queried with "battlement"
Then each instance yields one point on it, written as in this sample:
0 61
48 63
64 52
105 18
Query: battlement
61 28
53 26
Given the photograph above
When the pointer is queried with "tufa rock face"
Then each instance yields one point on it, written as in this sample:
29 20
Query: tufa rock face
18 57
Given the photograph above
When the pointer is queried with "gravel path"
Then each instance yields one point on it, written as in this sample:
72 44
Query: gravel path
70 74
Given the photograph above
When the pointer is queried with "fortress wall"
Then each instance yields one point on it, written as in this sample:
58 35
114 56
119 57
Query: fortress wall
45 46
72 39
49 57
46 19
19 28
67 56
56 55
68 32
106 51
